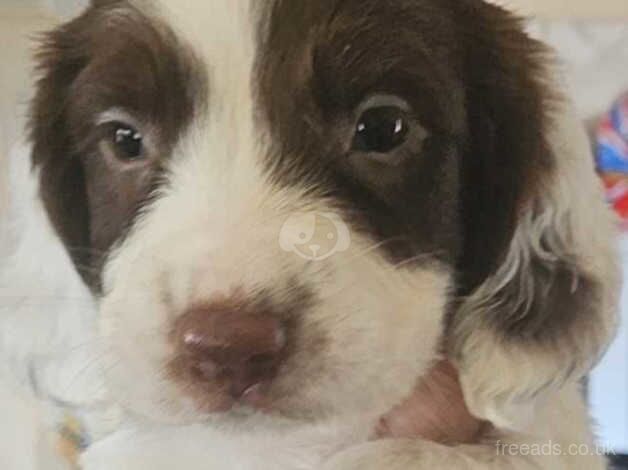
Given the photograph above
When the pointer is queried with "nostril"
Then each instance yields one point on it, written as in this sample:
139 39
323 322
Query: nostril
262 366
205 370
262 359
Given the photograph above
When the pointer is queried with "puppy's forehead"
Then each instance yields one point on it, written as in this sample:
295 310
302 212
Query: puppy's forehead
222 35
289 68
271 49
222 32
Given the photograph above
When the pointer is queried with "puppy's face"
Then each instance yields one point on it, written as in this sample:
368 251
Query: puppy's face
275 201
285 131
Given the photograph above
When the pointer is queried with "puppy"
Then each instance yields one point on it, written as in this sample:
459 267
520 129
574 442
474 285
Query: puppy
284 209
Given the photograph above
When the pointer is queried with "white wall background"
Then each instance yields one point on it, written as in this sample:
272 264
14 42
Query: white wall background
65 7
573 8
61 7
554 8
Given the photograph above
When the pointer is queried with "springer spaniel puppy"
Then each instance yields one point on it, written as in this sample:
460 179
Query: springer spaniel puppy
287 210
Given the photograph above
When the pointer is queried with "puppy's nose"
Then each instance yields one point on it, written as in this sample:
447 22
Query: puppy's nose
240 349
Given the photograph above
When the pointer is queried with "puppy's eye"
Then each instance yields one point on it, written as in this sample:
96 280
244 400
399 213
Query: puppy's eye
127 142
380 129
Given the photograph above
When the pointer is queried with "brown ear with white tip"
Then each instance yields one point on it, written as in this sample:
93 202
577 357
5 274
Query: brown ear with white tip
539 279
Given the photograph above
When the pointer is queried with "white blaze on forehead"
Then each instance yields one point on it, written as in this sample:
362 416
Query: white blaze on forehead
222 139
215 176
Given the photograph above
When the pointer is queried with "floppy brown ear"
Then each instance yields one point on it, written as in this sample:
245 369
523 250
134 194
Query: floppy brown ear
62 55
538 279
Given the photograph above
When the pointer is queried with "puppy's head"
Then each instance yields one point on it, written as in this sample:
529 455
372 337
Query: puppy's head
292 206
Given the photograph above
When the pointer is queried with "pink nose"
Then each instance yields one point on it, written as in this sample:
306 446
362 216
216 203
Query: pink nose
240 349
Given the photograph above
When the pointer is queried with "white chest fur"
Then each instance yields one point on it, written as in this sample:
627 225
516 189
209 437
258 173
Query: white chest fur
208 447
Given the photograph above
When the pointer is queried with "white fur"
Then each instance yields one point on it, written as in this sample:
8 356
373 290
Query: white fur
269 445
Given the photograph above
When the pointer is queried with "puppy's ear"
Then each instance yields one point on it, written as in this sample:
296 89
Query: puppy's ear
538 277
62 55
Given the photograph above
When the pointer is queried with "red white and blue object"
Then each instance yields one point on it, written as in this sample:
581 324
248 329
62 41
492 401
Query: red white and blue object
612 157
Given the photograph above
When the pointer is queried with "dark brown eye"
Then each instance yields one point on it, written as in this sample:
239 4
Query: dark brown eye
127 142
380 130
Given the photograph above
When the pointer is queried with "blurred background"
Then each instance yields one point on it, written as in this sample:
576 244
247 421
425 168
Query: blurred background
591 38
